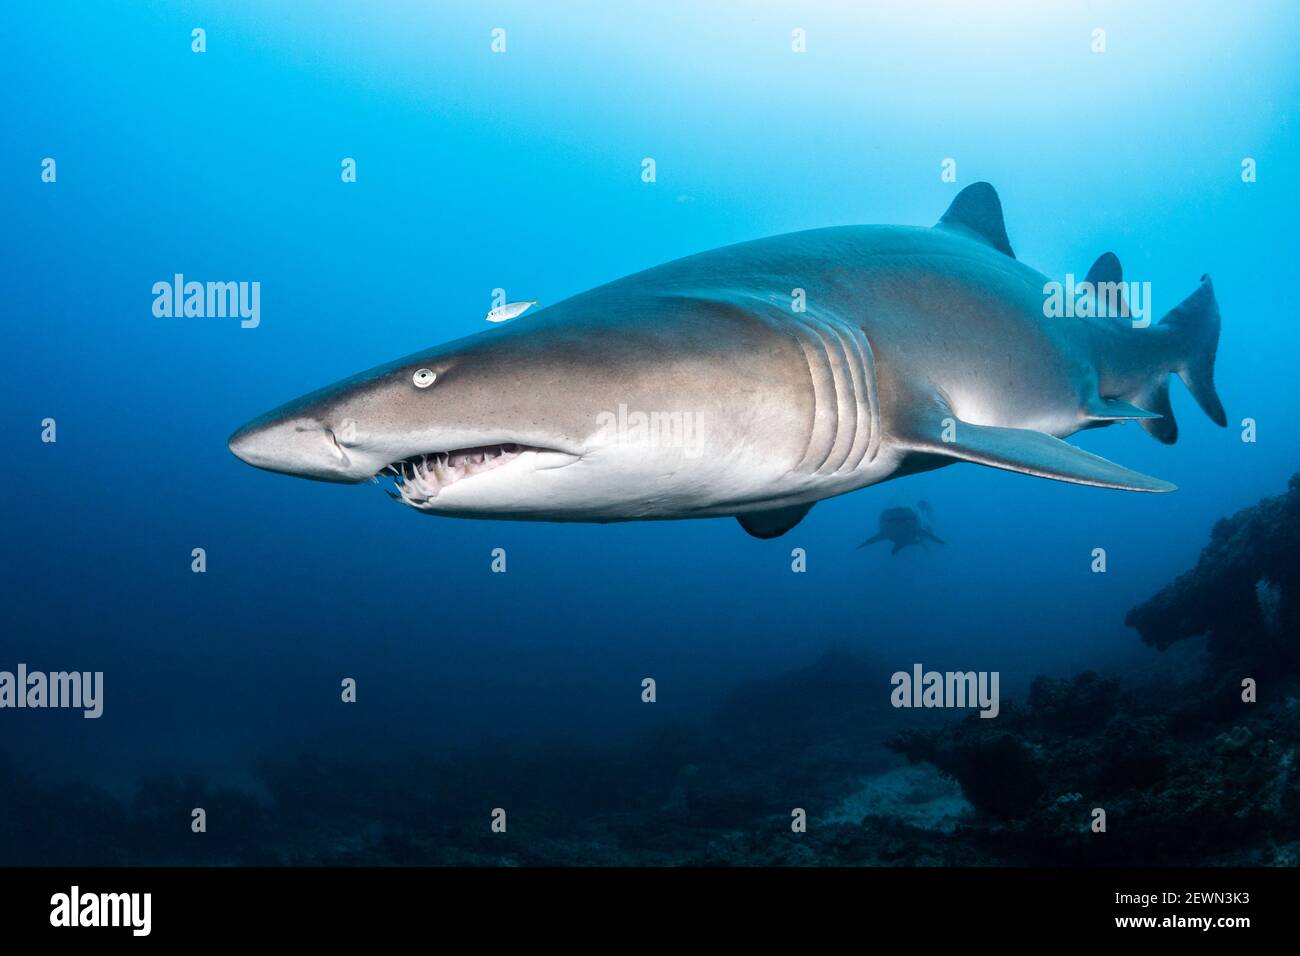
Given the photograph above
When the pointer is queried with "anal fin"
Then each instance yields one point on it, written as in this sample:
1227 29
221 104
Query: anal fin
1164 429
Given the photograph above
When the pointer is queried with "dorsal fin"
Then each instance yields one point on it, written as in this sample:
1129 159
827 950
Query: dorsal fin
1106 269
977 213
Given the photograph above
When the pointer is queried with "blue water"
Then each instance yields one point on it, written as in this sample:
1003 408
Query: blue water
522 171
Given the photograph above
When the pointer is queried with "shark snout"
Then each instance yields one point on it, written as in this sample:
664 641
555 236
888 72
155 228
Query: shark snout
302 447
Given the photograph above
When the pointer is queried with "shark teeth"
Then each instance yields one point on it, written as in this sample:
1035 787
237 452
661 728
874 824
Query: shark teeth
418 480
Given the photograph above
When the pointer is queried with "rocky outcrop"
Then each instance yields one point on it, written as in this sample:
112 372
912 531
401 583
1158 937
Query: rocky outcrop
1242 594
1188 771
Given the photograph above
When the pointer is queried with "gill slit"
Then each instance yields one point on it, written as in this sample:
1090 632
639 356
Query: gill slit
846 410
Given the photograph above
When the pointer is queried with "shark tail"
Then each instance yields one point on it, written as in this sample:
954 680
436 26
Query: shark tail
1193 330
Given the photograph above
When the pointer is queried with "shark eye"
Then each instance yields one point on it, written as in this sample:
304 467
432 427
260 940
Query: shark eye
424 377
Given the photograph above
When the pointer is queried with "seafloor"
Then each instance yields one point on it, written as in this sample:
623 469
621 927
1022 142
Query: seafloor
1187 772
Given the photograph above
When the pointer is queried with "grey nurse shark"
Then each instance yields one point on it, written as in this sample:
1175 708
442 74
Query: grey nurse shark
905 526
712 386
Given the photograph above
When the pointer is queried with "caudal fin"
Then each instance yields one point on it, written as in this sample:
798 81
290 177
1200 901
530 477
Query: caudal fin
1193 326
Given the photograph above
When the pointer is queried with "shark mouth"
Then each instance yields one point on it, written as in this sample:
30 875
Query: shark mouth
418 480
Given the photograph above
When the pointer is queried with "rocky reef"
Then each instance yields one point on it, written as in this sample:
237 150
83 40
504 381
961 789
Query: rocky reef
718 792
1242 593
1185 768
1189 770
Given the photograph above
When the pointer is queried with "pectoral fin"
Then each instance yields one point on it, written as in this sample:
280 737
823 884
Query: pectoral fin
1035 453
774 523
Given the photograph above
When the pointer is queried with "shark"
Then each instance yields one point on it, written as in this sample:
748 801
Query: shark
904 526
754 380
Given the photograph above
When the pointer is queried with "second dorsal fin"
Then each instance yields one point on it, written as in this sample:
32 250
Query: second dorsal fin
977 213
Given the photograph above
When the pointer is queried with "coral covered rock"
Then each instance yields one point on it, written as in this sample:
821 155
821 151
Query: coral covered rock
1242 594
1187 770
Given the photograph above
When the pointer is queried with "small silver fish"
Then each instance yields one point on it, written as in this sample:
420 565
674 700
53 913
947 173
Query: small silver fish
508 311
